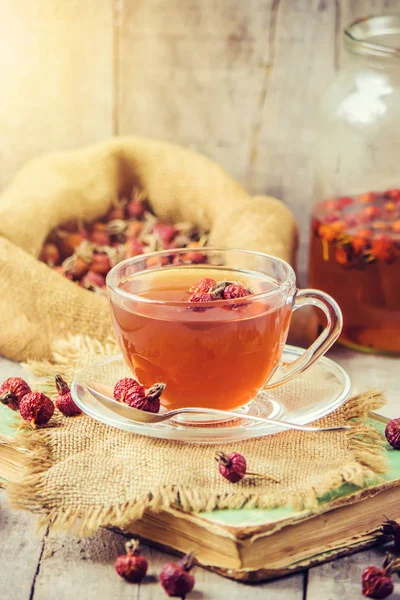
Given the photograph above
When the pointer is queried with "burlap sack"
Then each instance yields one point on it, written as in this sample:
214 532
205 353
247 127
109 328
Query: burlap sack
36 303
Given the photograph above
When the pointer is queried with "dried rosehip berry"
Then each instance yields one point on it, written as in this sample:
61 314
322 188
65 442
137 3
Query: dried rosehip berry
393 193
341 256
130 391
370 213
204 285
330 218
156 261
64 401
235 291
148 400
12 390
100 238
231 466
376 583
100 263
50 255
165 233
136 209
132 566
69 242
396 227
93 280
367 198
176 579
124 386
135 247
392 433
76 266
392 528
36 408
116 213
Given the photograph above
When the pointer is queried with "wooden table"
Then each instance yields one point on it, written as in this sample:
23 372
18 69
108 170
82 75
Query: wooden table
40 567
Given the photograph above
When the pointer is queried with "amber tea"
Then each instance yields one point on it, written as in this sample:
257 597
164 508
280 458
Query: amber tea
215 355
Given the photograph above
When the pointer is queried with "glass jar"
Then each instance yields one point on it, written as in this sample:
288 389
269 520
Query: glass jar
355 232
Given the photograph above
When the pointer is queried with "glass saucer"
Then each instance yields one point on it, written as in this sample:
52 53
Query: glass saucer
314 394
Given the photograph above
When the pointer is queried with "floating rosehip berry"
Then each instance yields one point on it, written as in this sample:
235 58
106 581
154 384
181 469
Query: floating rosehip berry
392 529
235 291
370 213
12 390
100 263
64 401
341 256
36 408
377 582
176 579
392 433
203 285
132 566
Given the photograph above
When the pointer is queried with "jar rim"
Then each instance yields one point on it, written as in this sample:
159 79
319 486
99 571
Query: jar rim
358 33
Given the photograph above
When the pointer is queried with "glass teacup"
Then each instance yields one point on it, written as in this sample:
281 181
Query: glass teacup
219 353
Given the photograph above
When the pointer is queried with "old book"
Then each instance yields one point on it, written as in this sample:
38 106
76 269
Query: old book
258 544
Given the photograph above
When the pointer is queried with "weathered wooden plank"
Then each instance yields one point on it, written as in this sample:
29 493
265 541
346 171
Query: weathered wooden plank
20 552
300 66
371 371
192 72
341 579
56 67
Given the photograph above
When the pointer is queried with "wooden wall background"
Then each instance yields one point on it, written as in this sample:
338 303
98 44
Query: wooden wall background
236 79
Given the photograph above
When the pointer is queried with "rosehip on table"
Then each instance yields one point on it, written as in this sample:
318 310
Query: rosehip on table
12 390
377 582
132 566
176 579
36 408
64 401
392 433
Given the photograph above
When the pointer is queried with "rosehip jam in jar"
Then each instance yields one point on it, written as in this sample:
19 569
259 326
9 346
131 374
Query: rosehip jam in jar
355 257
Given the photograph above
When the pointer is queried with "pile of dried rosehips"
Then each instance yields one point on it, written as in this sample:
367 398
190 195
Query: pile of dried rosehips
85 252
35 407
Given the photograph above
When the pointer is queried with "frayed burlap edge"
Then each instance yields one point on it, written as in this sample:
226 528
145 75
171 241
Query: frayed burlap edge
364 442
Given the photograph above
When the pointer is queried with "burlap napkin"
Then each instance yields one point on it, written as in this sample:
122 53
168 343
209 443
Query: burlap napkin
37 304
81 474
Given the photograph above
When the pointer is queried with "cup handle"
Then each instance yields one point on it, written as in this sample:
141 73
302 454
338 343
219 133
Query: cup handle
324 341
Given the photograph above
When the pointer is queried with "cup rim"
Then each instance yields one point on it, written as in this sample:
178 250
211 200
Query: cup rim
112 284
